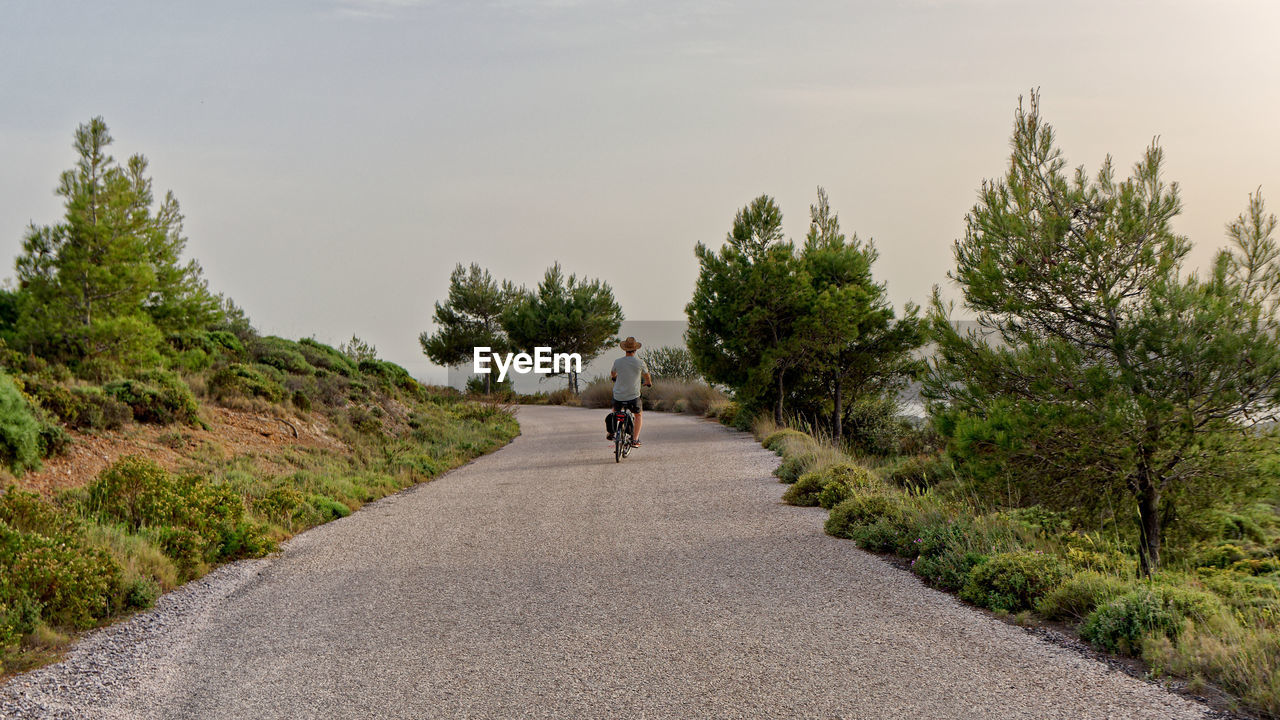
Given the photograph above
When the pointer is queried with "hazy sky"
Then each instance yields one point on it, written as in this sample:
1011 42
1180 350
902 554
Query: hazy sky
336 158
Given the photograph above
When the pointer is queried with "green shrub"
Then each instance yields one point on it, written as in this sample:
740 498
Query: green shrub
829 486
183 546
54 440
225 342
280 505
282 354
157 396
834 493
27 512
1244 591
328 508
793 466
82 407
363 420
1080 595
727 413
239 380
947 550
242 540
777 441
134 491
875 521
326 358
140 594
19 429
804 492
1223 555
1154 611
388 374
920 472
73 585
875 426
193 520
19 614
1013 581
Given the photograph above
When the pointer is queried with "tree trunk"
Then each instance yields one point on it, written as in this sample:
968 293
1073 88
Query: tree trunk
1148 524
837 415
777 409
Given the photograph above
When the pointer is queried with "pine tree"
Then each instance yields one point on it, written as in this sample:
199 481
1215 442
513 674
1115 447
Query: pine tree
569 315
470 317
1105 378
108 280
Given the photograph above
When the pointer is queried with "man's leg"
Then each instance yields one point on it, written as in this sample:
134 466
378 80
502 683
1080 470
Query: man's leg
639 419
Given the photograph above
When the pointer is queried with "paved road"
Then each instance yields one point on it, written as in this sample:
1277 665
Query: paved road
547 581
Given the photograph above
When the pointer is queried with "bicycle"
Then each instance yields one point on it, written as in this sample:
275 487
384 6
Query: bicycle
623 433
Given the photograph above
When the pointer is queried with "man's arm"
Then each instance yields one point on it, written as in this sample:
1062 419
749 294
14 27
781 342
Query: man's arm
647 379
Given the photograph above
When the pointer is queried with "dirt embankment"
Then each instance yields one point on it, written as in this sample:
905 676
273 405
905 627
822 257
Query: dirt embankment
231 433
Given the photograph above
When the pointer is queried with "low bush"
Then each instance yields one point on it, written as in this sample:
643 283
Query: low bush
1153 611
829 486
138 557
225 342
794 466
563 396
875 521
1079 595
19 613
157 396
598 393
27 512
727 413
1246 592
328 508
54 440
691 396
919 472
388 374
20 447
1013 581
239 380
192 520
70 584
1241 658
285 355
779 441
325 357
81 407
874 425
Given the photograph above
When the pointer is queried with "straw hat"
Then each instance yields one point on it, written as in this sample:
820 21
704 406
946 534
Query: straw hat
630 344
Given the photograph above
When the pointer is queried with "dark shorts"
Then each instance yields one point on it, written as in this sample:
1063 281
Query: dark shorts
634 404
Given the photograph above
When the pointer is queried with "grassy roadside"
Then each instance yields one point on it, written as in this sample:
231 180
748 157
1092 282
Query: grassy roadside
110 545
1212 620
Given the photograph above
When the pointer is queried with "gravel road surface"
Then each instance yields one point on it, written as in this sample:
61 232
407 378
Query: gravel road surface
546 581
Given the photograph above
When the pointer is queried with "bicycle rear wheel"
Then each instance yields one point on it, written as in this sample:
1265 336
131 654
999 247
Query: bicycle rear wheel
617 445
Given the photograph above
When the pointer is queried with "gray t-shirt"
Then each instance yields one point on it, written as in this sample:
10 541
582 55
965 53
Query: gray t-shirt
630 369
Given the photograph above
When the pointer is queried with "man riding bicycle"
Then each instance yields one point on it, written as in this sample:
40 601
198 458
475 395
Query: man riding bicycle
627 373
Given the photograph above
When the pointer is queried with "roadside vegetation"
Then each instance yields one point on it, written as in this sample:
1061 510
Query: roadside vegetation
1210 615
110 340
1100 453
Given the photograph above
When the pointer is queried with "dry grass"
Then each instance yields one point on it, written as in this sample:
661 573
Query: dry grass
1241 657
695 398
